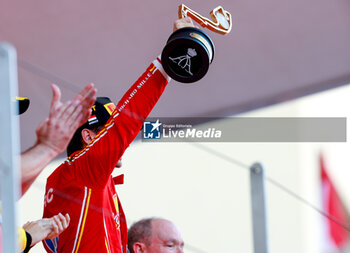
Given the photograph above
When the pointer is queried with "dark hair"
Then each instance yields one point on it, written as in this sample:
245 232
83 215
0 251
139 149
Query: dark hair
140 231
76 143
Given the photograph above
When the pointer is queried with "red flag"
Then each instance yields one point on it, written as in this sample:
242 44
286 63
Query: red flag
333 206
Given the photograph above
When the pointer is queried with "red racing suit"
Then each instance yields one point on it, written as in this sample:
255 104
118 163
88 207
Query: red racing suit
83 187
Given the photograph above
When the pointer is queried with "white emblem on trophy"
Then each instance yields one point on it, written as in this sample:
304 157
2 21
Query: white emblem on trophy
185 60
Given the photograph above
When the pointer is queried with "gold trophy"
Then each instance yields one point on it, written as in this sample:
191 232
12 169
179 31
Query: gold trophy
189 51
221 20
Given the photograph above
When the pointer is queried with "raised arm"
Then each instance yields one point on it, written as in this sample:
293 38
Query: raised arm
98 159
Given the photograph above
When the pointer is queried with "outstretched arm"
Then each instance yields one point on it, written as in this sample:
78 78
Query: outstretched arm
123 126
54 133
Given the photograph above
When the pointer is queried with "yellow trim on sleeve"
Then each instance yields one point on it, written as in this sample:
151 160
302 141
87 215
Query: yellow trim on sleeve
151 70
85 214
106 245
21 98
22 239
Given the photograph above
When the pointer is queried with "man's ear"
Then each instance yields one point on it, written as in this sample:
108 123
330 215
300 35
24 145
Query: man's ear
87 135
139 247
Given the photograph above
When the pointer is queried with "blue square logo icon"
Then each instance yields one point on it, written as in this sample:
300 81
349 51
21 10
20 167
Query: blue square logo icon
152 129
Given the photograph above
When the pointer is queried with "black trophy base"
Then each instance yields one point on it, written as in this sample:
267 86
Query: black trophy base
187 55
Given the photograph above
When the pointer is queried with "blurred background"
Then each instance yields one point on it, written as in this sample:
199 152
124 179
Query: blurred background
281 59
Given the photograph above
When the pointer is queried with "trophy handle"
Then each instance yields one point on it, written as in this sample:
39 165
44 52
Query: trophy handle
221 20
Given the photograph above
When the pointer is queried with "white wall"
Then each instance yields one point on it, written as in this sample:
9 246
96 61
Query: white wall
208 197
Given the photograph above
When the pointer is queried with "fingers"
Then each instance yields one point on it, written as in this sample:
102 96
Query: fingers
74 119
55 229
60 223
56 93
27 225
65 118
184 22
67 219
187 20
85 116
56 97
87 95
64 220
67 109
73 113
61 111
85 92
81 105
57 221
90 97
86 98
72 116
83 101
